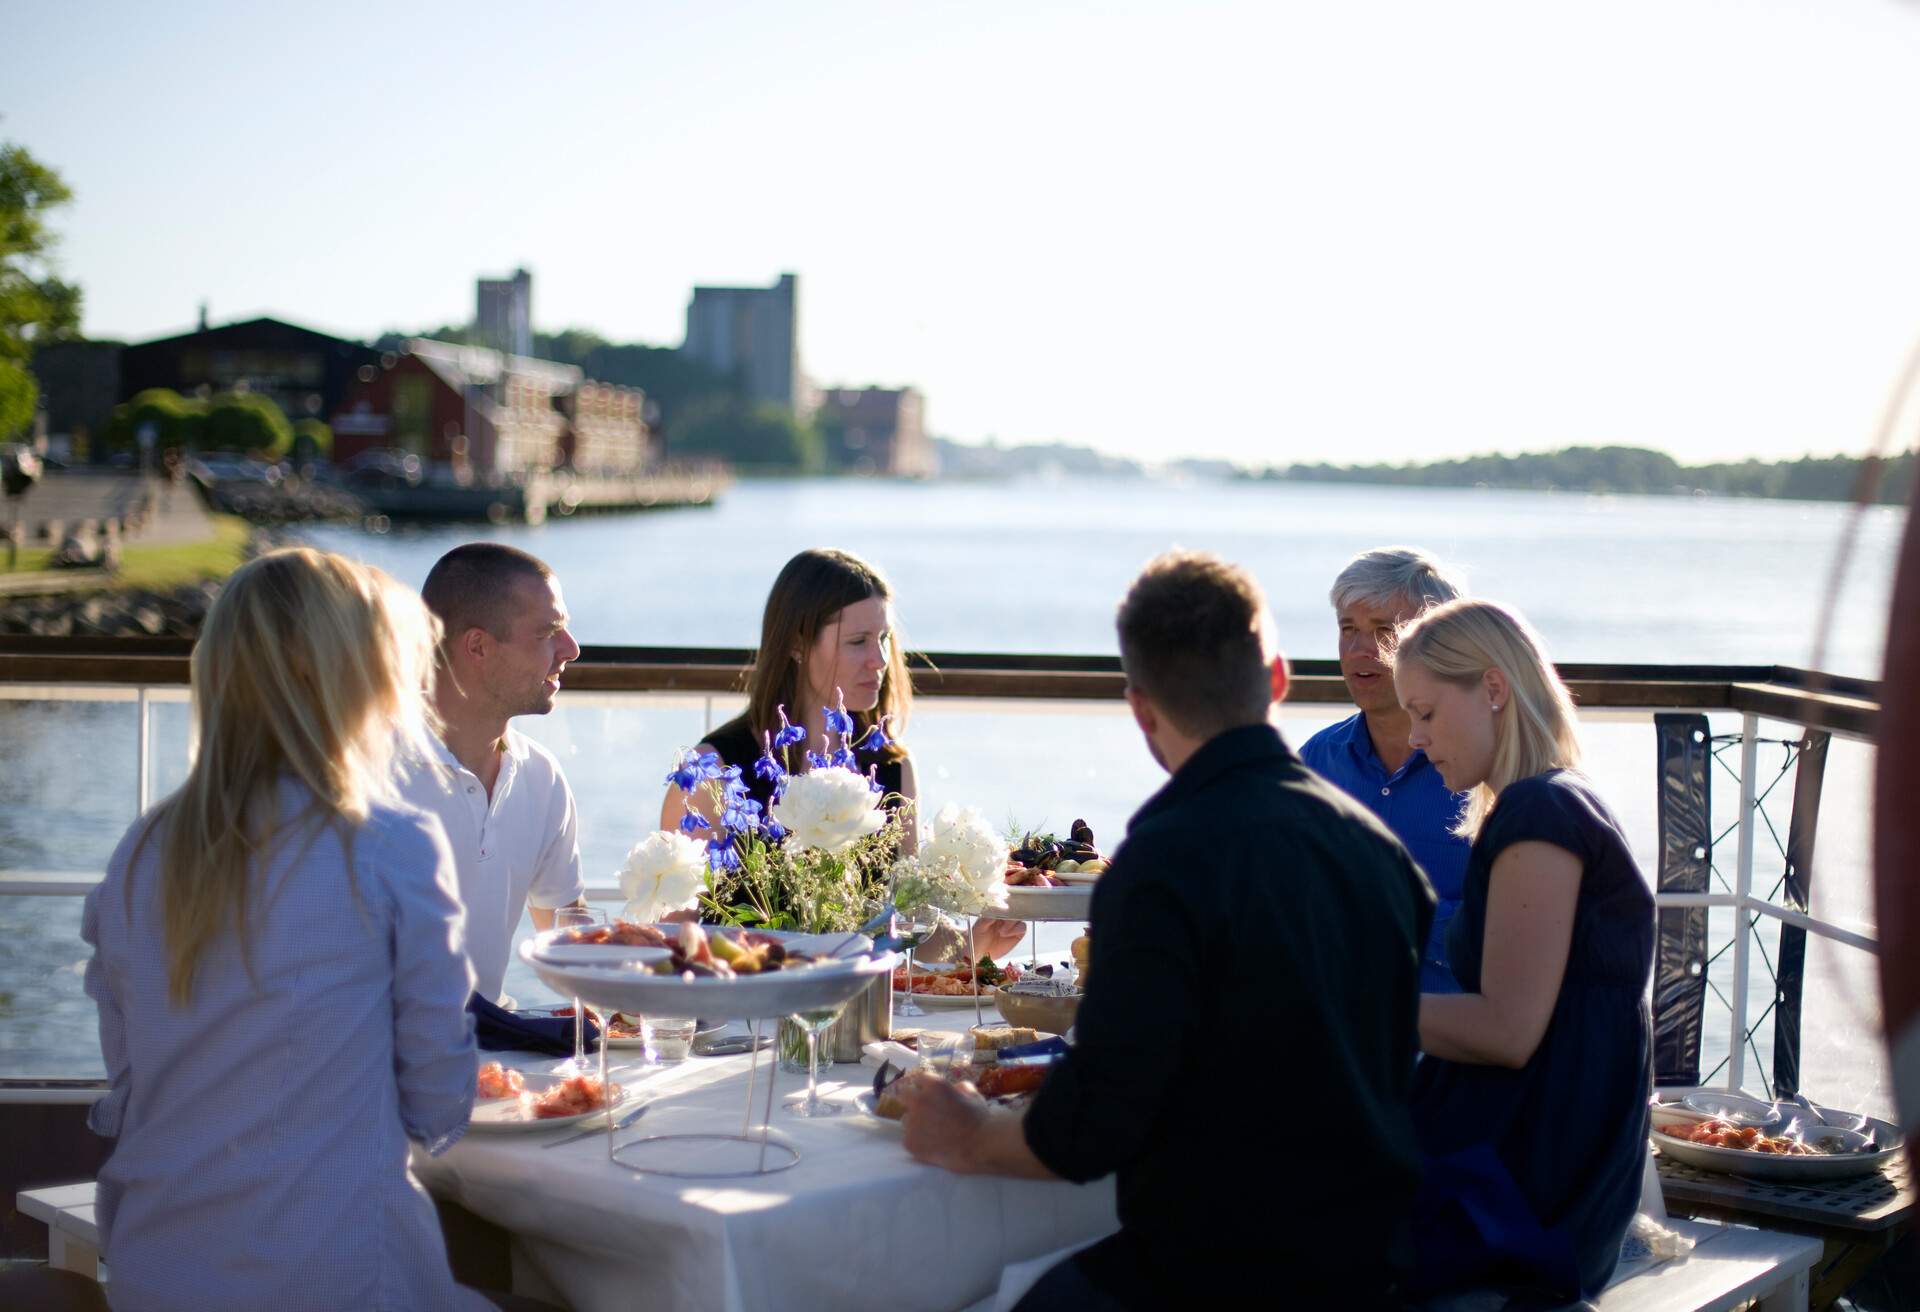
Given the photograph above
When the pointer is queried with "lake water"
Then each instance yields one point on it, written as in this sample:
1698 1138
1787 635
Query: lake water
1038 567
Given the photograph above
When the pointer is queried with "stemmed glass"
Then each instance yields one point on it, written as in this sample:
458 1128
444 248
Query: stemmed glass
912 930
815 1022
573 918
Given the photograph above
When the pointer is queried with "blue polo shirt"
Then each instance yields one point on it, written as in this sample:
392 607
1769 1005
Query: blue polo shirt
1416 806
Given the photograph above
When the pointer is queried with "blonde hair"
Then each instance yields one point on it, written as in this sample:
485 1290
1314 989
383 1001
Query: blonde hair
309 667
1458 642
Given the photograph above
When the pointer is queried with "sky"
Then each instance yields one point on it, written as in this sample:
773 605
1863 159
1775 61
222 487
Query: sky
1265 231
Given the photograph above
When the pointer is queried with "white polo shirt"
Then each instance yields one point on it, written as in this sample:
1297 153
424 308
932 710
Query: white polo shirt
519 848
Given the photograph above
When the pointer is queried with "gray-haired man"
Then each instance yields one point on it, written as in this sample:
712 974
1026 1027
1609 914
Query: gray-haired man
1367 754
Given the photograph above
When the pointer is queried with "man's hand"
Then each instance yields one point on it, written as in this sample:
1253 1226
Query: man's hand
995 938
943 1120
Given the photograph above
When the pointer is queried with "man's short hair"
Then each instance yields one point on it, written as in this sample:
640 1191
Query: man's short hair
1194 640
472 587
1392 579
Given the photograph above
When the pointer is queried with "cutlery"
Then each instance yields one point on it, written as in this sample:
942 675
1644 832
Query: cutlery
727 1045
618 1125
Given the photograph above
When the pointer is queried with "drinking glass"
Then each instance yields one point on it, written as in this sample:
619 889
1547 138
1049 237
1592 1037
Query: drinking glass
912 930
815 1023
573 918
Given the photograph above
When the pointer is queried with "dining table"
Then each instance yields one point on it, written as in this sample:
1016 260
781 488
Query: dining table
854 1223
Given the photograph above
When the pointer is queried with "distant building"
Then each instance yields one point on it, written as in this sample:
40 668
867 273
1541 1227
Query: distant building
503 313
306 372
751 334
488 417
876 430
79 386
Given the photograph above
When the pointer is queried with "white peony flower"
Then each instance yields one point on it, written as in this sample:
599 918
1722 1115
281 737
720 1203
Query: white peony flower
664 872
965 853
829 809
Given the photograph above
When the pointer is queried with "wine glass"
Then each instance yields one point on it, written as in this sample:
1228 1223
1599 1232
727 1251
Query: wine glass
815 1022
573 918
912 930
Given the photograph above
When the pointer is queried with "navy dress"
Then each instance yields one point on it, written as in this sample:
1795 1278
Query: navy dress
1533 1175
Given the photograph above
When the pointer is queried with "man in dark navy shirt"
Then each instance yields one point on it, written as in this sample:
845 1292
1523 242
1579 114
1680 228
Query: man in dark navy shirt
1244 1050
1367 754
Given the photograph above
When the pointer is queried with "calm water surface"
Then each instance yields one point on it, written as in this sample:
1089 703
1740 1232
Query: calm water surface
1038 567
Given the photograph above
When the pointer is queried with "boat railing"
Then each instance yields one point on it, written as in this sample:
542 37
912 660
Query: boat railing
1705 718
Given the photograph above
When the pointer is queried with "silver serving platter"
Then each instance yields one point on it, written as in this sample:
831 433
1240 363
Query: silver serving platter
771 995
1074 902
1770 1166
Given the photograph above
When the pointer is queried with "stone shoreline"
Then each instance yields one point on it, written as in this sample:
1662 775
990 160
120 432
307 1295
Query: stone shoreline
120 612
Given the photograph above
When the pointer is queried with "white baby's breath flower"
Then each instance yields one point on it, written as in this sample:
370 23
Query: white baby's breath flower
664 872
829 809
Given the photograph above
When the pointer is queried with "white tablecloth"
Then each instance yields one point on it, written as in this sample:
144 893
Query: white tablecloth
856 1224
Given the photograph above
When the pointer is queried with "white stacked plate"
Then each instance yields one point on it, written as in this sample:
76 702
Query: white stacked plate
626 983
1025 902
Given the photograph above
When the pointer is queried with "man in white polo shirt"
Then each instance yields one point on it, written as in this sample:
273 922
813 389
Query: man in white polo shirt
506 806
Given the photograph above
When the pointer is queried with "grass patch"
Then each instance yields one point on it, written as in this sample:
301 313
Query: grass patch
163 566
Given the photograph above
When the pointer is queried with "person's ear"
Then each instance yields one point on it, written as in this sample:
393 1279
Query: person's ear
1282 679
1499 691
1143 713
475 643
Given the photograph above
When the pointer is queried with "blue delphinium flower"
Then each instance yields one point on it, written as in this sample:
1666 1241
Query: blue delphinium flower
873 779
838 721
817 761
769 769
693 822
721 854
773 830
844 759
790 735
875 740
687 772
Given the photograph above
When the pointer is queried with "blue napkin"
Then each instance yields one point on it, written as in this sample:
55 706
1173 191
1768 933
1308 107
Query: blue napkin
496 1029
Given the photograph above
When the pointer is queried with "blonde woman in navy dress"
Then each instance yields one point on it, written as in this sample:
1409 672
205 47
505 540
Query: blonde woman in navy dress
1531 1101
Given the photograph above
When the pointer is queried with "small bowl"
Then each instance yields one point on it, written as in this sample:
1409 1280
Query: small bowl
1049 1013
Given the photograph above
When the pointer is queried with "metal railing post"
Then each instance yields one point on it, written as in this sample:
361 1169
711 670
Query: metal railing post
141 787
1743 893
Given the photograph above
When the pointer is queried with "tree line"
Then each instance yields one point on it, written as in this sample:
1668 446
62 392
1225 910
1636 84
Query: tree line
1626 469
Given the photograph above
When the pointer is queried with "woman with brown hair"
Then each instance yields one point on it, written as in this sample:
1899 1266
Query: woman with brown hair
829 648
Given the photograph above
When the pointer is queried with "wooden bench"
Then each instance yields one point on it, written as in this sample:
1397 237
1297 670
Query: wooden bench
73 1240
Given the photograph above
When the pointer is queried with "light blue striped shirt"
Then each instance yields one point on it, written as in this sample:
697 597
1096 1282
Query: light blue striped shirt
262 1131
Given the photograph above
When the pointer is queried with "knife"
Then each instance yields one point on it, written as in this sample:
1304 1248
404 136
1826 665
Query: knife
618 1125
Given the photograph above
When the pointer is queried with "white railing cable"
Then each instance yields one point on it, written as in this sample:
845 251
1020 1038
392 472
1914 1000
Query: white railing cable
1743 892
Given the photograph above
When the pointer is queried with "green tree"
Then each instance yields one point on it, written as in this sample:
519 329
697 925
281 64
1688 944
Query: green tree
176 420
763 438
312 440
247 421
35 306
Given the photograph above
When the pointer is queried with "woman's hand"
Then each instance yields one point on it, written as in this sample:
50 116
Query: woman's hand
996 938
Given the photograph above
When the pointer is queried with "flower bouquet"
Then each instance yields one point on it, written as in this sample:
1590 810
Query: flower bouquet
817 860
960 871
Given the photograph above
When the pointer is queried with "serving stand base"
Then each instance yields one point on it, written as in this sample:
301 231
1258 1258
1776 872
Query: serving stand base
753 1152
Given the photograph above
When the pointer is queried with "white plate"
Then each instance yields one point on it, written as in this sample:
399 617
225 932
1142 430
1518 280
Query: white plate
946 1002
743 997
548 947
515 1115
1077 877
1027 903
1769 1166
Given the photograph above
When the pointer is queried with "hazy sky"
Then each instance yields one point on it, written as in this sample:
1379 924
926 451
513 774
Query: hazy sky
1271 231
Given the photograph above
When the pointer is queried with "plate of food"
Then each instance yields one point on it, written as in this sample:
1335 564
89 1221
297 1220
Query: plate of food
510 1101
1797 1150
948 985
743 974
1050 878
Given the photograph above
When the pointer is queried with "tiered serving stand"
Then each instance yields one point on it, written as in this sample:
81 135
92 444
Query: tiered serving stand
630 987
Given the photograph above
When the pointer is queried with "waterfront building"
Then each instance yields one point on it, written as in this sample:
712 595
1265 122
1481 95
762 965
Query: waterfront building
876 430
751 334
79 386
503 313
306 373
489 417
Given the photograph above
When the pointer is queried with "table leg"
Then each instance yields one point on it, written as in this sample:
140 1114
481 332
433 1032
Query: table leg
1789 1296
1841 1263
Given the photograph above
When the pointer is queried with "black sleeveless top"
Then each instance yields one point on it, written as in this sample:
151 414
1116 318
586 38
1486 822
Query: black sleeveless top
737 745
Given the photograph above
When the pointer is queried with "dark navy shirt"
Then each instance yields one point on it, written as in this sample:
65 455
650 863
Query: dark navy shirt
1416 806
